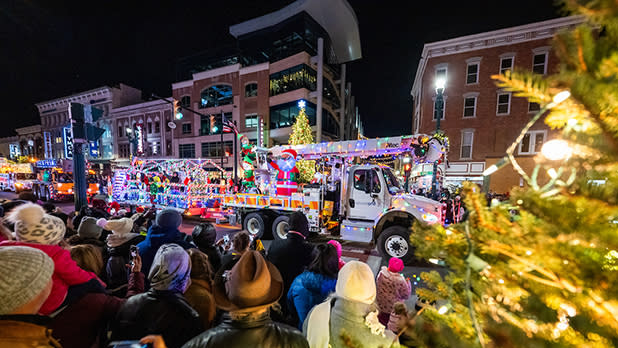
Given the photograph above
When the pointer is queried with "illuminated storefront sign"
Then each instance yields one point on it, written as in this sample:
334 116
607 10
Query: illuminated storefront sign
68 142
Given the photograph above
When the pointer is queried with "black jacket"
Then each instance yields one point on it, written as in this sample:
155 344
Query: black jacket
116 270
214 255
157 312
258 332
291 256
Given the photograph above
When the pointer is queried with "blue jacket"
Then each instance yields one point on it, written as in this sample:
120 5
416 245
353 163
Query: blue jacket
156 237
307 290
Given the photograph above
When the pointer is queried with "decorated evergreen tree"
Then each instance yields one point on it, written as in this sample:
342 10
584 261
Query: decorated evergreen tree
540 270
301 134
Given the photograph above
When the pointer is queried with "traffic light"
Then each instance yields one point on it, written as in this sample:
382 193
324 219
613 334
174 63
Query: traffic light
177 110
407 167
213 125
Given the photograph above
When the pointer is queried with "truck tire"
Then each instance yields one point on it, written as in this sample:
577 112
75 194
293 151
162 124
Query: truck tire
394 241
281 227
254 224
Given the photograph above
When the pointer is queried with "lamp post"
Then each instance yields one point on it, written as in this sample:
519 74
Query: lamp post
439 106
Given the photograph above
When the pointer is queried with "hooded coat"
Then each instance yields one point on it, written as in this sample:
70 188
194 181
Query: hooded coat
391 287
307 290
156 237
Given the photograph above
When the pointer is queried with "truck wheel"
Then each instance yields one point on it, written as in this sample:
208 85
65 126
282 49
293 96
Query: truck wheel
254 224
394 241
281 227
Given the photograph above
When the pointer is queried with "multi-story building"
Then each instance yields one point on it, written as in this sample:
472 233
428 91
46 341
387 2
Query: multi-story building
295 53
30 140
142 129
55 118
9 147
480 119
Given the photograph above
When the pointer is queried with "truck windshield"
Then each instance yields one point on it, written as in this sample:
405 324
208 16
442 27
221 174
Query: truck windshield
25 176
391 181
64 178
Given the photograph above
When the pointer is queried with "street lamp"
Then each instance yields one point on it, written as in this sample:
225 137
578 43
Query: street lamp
132 141
439 106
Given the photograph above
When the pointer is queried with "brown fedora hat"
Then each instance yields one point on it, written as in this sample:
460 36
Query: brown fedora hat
252 284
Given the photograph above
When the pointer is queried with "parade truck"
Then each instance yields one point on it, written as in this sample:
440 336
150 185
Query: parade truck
186 185
353 197
17 177
55 184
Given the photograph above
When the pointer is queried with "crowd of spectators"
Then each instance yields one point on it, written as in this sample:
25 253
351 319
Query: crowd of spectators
105 274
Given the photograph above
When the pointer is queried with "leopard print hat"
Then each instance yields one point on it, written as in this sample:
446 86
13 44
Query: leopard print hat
32 225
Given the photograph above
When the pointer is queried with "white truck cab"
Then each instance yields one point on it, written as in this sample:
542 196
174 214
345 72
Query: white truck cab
376 209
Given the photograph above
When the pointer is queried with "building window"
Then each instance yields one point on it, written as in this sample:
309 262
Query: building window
300 76
467 138
469 107
532 142
119 131
251 121
186 128
149 127
186 150
441 71
506 64
157 127
216 96
284 115
533 107
539 63
435 111
251 90
504 104
185 101
472 73
213 149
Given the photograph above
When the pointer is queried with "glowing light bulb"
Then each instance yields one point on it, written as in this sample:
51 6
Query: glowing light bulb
442 310
562 96
556 149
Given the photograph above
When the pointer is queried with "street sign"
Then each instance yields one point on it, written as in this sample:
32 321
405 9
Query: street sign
68 142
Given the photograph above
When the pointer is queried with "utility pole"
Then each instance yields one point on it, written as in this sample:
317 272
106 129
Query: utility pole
439 109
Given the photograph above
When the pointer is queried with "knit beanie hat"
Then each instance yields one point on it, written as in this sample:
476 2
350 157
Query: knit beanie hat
395 265
25 272
32 225
88 228
168 218
355 283
119 226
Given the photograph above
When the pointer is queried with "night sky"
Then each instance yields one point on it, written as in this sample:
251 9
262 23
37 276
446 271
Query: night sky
51 49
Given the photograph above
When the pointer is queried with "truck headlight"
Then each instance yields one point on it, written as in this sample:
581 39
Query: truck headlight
430 218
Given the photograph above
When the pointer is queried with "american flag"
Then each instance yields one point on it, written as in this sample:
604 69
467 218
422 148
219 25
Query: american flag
228 126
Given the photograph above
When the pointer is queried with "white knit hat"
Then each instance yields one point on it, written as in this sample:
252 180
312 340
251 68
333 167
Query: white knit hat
24 274
32 225
122 226
355 283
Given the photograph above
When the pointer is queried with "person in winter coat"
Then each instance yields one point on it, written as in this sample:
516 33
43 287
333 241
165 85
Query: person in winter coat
392 287
84 323
30 272
247 291
118 248
204 236
199 294
292 255
35 229
163 231
313 285
349 315
162 310
337 246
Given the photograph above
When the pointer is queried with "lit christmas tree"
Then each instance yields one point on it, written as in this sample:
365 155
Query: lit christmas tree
540 270
301 134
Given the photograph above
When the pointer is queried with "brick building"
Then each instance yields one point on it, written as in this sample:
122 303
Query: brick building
297 52
146 123
480 119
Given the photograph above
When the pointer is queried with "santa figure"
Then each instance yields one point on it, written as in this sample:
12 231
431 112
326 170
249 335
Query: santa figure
287 173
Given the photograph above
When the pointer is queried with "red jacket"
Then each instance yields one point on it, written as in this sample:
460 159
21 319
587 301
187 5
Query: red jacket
80 323
66 273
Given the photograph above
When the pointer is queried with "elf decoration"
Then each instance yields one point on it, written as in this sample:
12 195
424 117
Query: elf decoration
248 160
287 173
